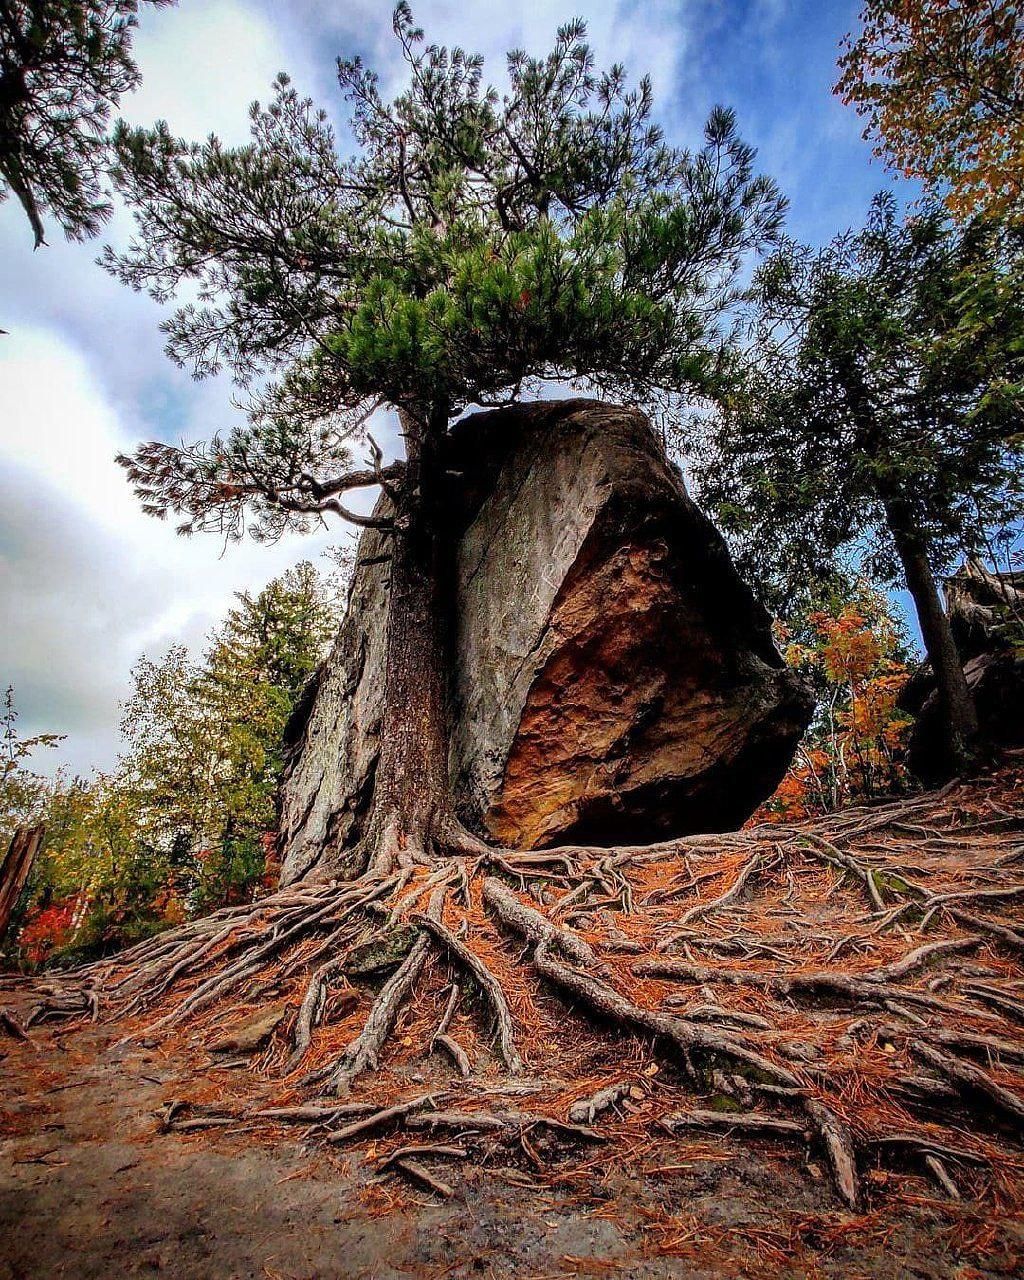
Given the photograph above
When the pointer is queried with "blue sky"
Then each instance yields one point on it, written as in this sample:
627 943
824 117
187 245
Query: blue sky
86 582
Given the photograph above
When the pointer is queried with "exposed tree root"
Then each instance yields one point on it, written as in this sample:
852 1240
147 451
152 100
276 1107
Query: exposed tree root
363 1054
586 1110
490 986
838 1142
706 908
754 1122
971 1079
607 1003
890 1036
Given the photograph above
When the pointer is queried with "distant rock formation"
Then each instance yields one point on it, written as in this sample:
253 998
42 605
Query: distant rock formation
986 614
615 679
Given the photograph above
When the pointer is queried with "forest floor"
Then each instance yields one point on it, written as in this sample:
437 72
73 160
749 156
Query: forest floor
124 1156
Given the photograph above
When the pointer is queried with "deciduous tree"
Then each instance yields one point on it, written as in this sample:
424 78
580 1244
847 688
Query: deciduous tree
184 822
203 738
941 85
22 790
852 647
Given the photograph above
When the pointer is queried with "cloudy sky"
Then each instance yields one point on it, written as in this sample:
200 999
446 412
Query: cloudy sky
87 583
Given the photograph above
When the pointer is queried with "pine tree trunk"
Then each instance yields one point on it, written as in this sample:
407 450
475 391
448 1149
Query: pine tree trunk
412 792
959 716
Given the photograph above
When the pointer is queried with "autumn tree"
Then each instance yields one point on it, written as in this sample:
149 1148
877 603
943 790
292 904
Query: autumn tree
849 643
22 790
22 801
100 883
879 419
478 244
183 823
64 66
941 86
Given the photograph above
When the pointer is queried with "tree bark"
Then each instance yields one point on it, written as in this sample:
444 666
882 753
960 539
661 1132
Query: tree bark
412 791
14 871
959 715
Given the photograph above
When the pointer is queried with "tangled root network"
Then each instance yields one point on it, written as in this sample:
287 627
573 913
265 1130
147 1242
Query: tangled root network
852 983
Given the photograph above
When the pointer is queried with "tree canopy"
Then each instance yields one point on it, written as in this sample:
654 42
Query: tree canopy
22 790
64 66
476 243
850 644
203 739
888 364
880 416
941 86
185 820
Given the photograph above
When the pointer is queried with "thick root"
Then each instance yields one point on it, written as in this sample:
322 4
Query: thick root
913 1010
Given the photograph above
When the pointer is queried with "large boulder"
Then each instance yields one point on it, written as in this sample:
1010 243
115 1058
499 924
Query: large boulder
986 616
615 679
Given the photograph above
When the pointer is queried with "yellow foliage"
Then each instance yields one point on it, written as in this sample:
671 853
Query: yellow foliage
941 86
854 655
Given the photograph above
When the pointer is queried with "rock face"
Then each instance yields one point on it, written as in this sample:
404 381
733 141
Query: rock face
985 613
615 680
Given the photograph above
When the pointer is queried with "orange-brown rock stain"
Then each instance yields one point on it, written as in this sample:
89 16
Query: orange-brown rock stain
611 711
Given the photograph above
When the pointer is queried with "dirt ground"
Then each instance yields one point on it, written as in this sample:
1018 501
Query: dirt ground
91 1186
130 1146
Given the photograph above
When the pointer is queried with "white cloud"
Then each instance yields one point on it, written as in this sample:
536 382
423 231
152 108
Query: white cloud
88 581
203 63
650 36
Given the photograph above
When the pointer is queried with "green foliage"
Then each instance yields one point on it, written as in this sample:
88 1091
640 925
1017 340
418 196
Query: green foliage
204 740
22 791
184 823
64 65
100 883
884 378
477 245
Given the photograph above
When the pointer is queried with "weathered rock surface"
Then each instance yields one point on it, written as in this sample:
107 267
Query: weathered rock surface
986 613
615 678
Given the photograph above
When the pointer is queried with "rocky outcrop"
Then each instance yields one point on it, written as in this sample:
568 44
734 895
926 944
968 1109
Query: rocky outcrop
986 615
615 680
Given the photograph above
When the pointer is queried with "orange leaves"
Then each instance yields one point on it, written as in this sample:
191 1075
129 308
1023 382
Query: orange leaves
170 907
853 654
873 714
849 646
793 797
942 90
48 929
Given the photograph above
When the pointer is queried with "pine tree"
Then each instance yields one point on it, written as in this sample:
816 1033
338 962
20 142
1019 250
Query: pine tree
184 821
64 65
477 245
203 738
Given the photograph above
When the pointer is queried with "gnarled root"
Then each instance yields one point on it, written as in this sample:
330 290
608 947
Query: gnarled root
869 1056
